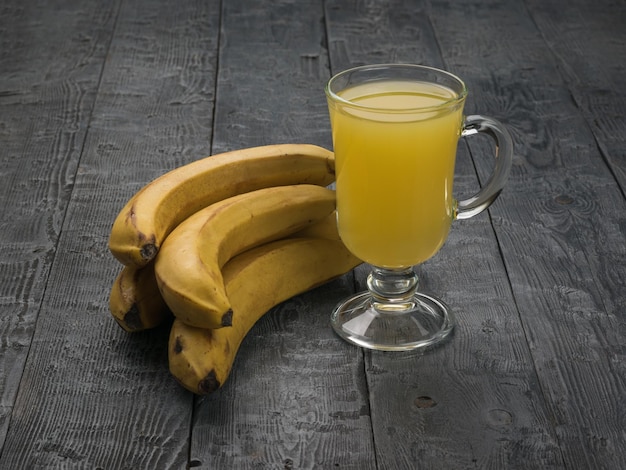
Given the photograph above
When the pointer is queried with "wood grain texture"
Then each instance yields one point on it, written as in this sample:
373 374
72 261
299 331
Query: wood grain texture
560 225
273 67
48 85
585 40
362 32
93 396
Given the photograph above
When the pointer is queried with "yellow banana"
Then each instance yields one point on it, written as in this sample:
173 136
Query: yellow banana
188 266
135 301
257 280
153 212
326 228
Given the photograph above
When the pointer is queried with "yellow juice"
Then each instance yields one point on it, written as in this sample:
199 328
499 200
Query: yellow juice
395 153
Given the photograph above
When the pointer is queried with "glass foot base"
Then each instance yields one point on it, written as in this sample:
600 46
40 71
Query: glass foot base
420 322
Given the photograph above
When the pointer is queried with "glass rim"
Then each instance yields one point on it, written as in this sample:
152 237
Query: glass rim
458 98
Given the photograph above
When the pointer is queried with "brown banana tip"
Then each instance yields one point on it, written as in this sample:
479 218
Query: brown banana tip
148 251
178 345
209 383
227 318
132 318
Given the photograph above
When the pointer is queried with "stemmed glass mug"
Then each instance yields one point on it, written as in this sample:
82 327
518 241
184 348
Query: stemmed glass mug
395 132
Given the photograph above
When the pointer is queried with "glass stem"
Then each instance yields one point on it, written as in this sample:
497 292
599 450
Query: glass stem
392 289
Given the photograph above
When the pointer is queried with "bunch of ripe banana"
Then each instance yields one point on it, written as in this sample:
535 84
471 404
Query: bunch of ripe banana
218 243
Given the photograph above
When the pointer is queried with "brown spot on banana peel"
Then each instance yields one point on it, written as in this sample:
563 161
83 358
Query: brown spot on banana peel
178 345
227 318
149 247
209 383
330 166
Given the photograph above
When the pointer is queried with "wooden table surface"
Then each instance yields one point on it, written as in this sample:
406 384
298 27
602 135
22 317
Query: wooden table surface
99 97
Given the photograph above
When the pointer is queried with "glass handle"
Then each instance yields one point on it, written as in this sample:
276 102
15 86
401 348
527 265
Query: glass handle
477 124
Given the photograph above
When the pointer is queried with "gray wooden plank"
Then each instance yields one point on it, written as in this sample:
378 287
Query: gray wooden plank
560 224
589 45
296 397
270 77
51 56
93 396
475 401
